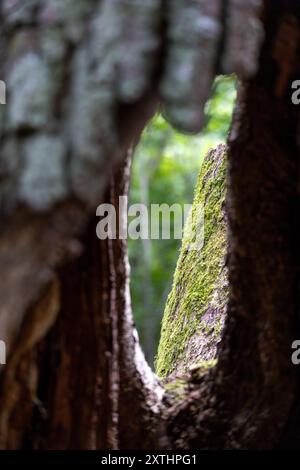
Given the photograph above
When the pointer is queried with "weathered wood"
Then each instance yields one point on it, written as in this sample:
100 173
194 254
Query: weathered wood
248 398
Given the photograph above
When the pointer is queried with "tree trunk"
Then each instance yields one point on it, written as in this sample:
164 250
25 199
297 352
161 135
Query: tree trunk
195 313
250 397
76 377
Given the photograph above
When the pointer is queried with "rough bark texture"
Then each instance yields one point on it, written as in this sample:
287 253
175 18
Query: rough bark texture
196 307
93 356
71 116
84 384
250 397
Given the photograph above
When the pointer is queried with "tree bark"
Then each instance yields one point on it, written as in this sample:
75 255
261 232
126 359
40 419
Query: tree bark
249 398
195 312
76 377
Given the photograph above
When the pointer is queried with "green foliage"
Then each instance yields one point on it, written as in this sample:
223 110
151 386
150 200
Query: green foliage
165 169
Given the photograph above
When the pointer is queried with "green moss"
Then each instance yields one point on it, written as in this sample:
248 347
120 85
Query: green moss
199 370
197 273
204 365
176 390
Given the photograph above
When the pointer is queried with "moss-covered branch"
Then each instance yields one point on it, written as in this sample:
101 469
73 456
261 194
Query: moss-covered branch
196 307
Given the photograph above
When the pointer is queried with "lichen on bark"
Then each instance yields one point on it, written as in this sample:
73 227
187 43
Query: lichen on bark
72 69
194 316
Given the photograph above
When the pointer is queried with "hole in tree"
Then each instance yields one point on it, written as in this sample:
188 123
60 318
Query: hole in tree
168 169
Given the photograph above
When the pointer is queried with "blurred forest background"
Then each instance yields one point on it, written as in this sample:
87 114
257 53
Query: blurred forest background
165 169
